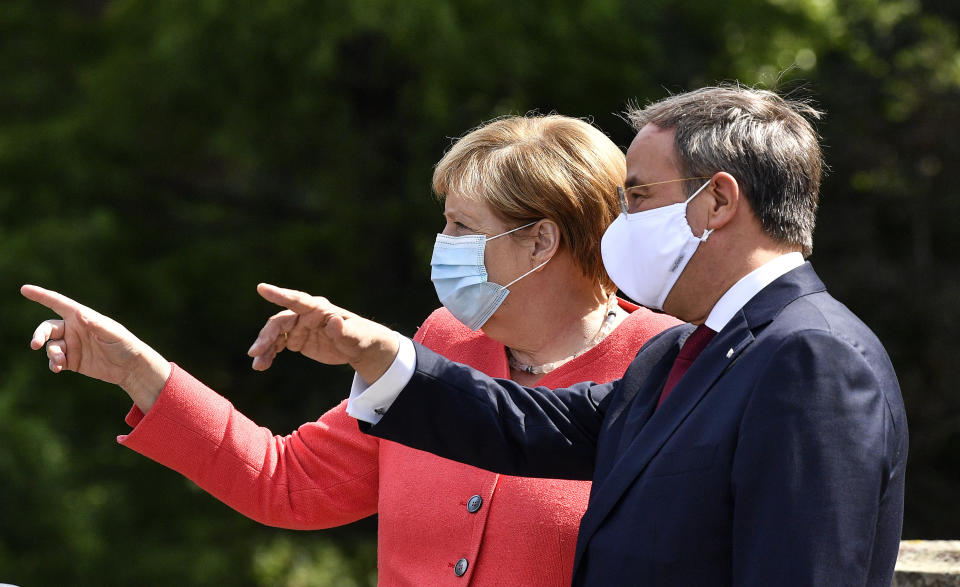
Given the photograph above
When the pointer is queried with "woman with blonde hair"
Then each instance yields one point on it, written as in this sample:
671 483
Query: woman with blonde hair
518 270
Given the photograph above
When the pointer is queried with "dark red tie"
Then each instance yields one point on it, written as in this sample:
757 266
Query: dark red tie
695 343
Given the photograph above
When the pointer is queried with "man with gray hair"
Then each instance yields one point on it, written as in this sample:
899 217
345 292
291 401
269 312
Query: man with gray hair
765 443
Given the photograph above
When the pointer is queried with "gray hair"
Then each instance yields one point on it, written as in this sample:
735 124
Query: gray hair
763 140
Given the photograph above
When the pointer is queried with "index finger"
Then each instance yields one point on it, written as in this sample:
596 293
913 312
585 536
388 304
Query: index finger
298 301
59 303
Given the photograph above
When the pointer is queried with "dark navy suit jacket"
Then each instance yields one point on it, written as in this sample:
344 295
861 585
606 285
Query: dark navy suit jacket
778 459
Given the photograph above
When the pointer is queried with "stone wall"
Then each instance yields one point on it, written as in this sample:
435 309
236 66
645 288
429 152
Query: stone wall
928 563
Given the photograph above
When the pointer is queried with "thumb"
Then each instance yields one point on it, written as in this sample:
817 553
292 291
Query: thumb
370 348
353 336
344 336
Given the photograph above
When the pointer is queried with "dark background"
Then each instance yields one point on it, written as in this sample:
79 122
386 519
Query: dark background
159 159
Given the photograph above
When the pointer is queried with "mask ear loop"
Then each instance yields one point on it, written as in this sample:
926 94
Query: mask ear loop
490 238
706 231
527 273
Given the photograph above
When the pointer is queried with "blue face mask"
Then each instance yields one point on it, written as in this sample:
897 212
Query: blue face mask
460 277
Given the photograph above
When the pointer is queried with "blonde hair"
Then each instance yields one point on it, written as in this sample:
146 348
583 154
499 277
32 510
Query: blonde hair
532 167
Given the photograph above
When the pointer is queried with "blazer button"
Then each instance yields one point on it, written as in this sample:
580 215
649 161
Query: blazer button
461 568
474 504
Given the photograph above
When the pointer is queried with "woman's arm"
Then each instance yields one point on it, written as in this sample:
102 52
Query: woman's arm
92 344
324 474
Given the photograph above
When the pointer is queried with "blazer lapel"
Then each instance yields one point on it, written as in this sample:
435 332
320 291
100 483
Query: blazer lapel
643 407
642 446
651 432
650 366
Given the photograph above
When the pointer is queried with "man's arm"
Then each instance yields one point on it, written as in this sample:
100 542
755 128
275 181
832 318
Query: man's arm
445 408
459 413
815 461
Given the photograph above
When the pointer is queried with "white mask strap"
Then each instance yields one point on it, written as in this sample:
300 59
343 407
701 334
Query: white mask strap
707 231
490 238
694 194
527 273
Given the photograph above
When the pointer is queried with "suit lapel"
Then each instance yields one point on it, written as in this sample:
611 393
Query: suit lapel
648 433
641 409
645 443
651 365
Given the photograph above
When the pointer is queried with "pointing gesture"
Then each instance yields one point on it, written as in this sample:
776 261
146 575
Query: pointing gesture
92 344
326 333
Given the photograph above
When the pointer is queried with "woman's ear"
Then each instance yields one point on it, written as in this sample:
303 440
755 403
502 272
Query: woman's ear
546 240
726 195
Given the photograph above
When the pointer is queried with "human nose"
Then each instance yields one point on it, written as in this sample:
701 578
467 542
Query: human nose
449 229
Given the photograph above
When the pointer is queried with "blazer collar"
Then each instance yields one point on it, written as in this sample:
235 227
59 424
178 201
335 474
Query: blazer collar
653 429
765 306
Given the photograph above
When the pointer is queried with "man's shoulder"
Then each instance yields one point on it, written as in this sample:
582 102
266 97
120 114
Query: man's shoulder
825 335
821 314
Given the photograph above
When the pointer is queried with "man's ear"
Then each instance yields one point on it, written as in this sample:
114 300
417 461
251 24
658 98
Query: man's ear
545 238
726 200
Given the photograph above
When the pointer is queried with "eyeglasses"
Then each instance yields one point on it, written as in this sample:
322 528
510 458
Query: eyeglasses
622 193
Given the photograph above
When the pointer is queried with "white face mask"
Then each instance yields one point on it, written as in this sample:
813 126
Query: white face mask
460 277
644 253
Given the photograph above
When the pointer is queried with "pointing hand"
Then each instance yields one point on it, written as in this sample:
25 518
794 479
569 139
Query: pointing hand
92 344
326 333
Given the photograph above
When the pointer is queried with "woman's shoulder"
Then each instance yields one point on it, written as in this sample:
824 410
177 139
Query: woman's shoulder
609 359
441 329
643 323
441 332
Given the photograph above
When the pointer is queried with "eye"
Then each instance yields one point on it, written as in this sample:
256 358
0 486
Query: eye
456 228
634 197
462 228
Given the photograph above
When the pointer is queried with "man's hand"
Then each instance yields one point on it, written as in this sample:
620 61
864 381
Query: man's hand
319 330
92 344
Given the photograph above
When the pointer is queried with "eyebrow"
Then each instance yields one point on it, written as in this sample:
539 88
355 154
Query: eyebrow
461 217
634 182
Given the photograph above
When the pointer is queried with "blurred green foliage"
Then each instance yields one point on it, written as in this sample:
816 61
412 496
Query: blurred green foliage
158 159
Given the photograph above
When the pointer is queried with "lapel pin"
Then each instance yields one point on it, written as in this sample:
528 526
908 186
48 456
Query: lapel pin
730 353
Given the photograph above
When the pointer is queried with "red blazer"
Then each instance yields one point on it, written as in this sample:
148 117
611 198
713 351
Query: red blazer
327 473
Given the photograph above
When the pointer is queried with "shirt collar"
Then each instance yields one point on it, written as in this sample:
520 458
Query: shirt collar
750 285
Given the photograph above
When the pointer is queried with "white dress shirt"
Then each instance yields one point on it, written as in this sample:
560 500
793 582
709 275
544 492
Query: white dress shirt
369 401
749 285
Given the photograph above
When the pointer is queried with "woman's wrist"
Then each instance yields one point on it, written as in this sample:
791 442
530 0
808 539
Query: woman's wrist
147 379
